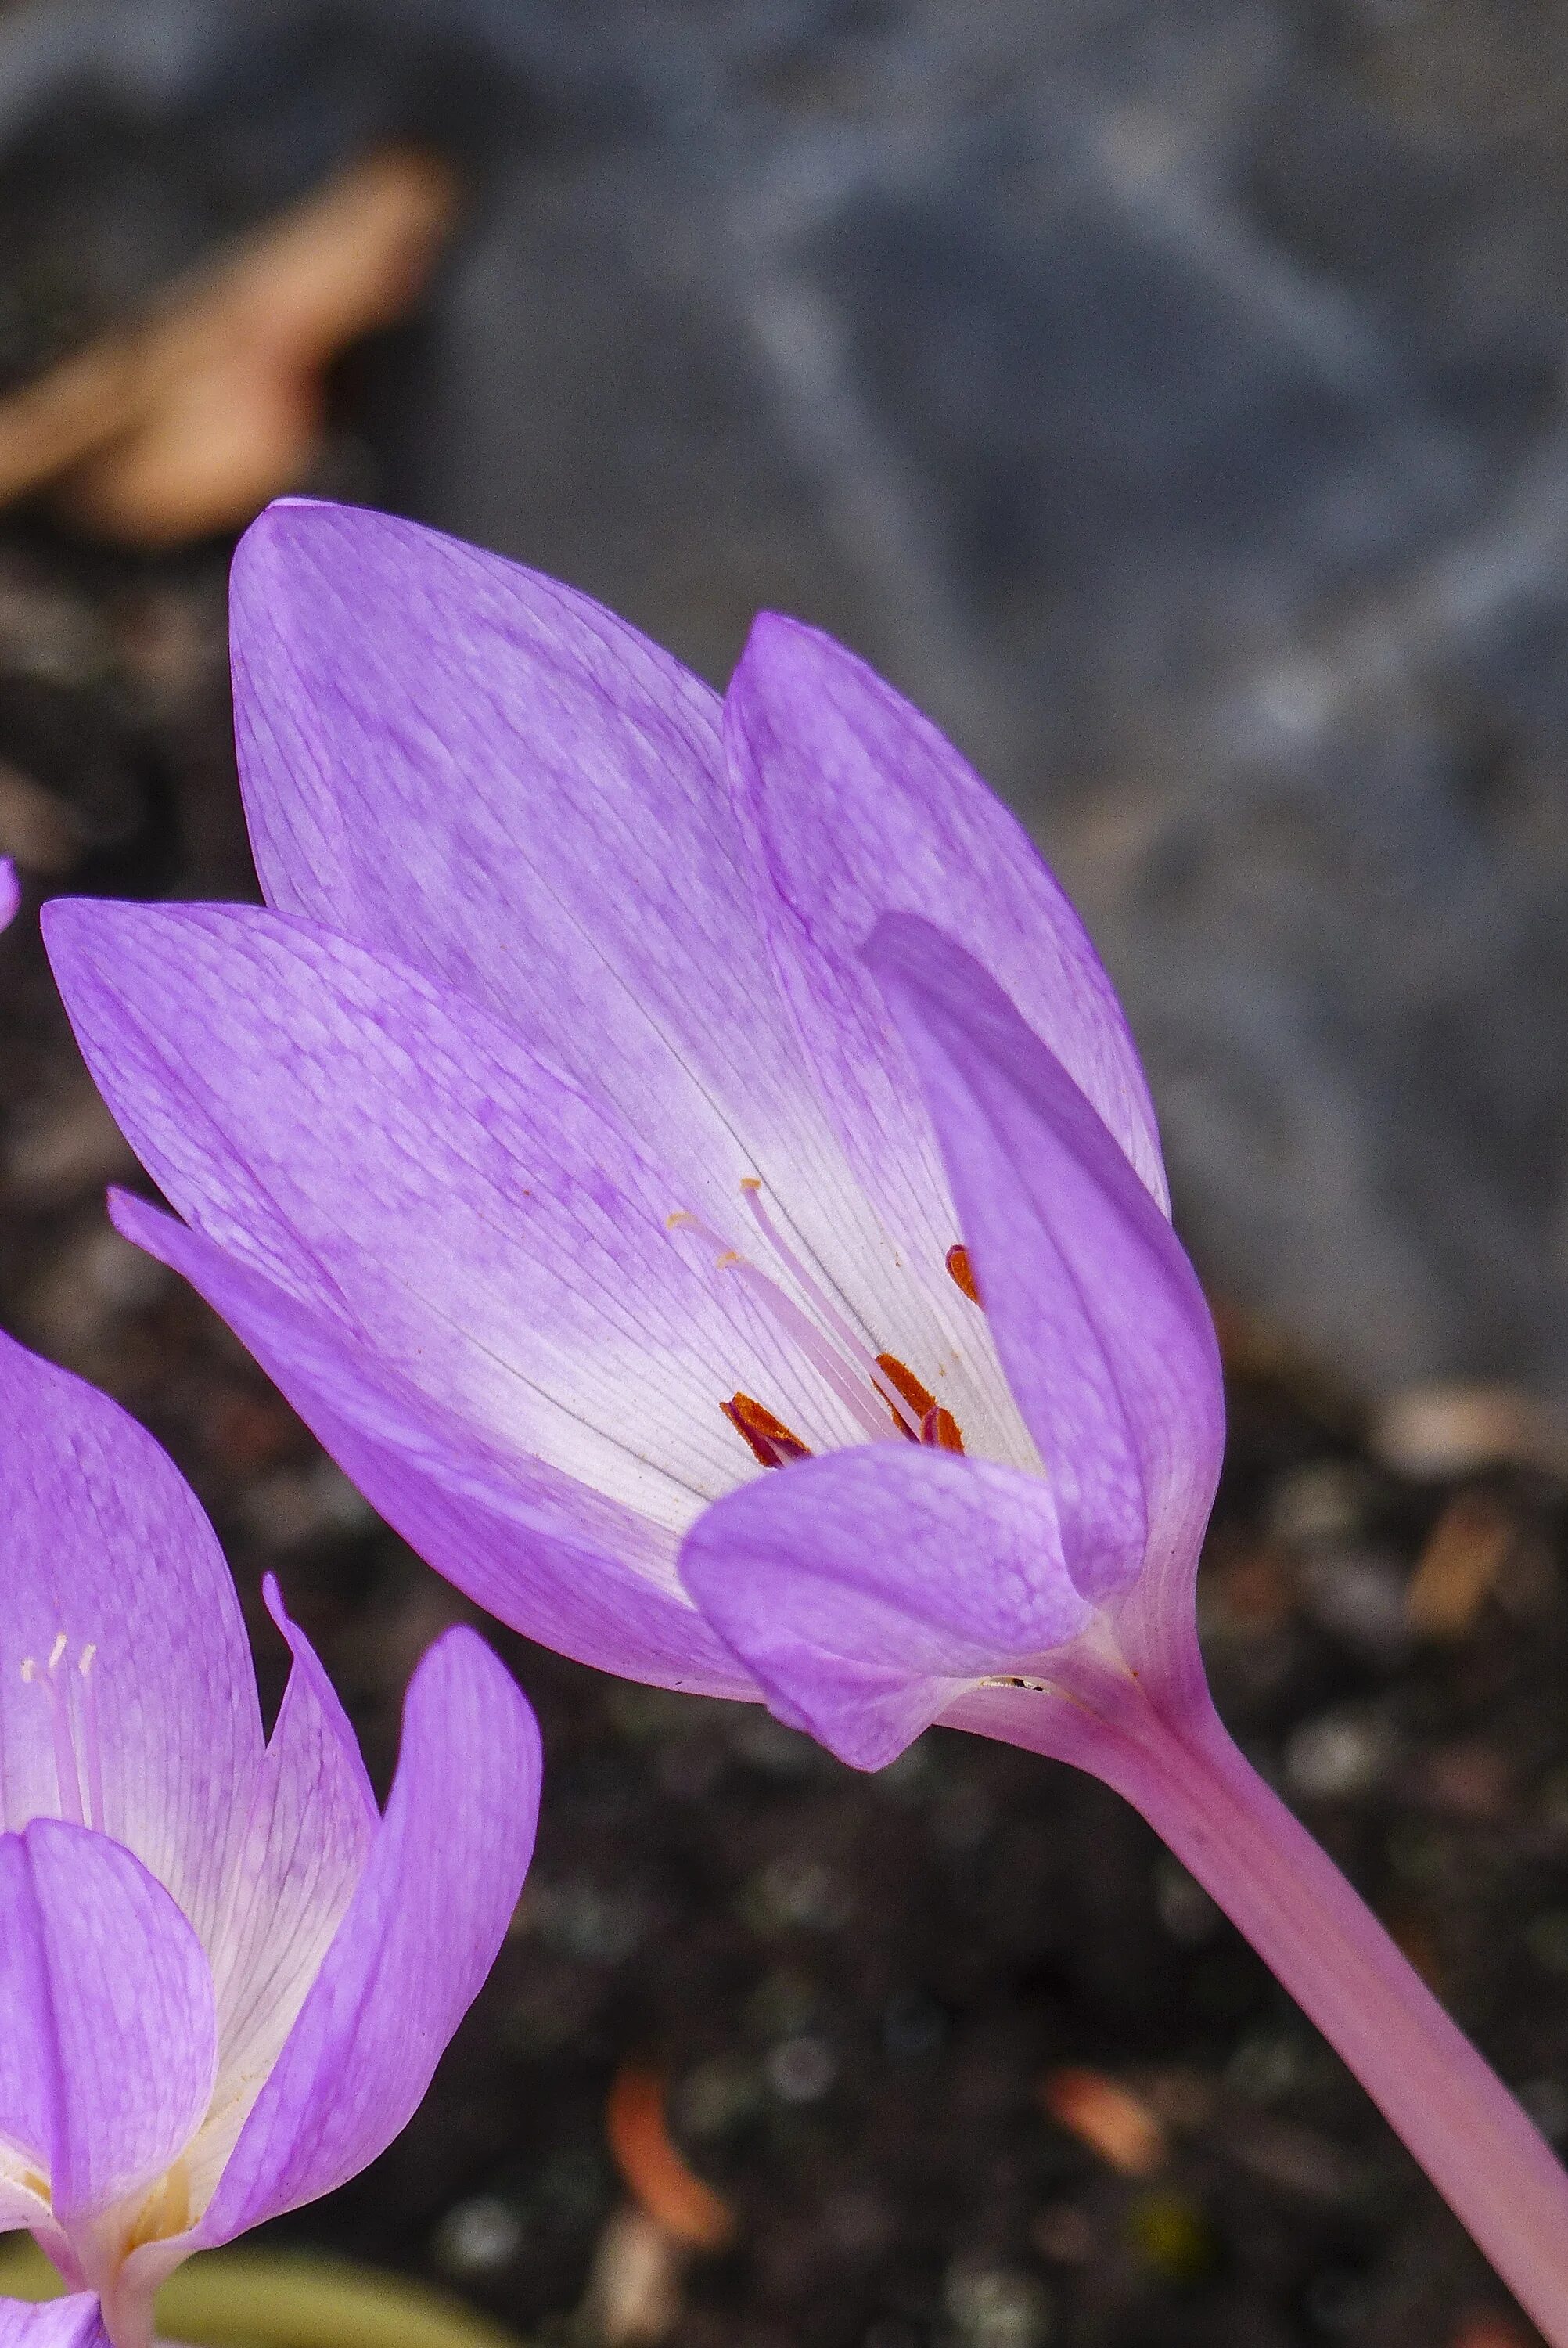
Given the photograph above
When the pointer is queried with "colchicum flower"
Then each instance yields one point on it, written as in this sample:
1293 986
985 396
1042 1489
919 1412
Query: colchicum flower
689 1165
225 1978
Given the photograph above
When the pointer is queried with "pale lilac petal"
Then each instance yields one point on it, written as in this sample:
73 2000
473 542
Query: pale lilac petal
384 1150
537 1549
118 1996
313 1821
10 892
30 2062
868 1591
451 758
20 2205
856 807
106 1545
73 2323
1096 1313
432 1909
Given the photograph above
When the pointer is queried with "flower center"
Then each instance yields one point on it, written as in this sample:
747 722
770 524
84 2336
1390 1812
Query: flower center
70 1692
874 1389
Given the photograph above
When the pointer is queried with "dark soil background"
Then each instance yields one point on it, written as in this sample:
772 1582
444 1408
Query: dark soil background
1173 401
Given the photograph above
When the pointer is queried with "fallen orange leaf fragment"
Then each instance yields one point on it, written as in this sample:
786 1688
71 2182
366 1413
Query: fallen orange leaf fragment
1468 1549
652 2168
190 419
1108 2117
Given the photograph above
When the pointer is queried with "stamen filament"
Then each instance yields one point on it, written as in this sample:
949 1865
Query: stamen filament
74 1732
92 1742
795 1324
67 1782
847 1336
812 1344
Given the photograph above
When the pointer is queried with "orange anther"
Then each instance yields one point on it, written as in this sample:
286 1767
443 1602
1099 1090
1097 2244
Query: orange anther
770 1440
961 1273
919 1398
940 1428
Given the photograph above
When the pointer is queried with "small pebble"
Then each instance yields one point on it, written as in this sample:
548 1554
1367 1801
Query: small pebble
997 2307
478 2237
800 2070
803 1891
1337 1756
1326 1500
714 2095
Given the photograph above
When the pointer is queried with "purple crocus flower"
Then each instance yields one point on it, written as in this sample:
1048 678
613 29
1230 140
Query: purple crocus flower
225 1978
690 1166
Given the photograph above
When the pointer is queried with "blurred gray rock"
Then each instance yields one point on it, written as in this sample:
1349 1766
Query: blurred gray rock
1171 401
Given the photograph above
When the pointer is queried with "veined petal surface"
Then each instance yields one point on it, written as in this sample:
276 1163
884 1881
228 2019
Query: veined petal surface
488 775
105 1547
452 759
311 1823
421 1933
856 806
113 2046
72 2322
384 1150
536 1548
868 1591
1096 1311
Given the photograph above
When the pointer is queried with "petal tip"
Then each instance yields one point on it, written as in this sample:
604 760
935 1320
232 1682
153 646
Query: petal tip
777 638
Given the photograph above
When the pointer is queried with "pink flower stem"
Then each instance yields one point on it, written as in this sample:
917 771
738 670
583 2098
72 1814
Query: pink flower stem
1175 1763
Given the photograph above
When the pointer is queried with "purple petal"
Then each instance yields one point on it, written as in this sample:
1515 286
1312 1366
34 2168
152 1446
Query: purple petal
106 1546
1096 1313
10 892
423 1928
386 1152
869 1590
312 1824
29 2067
536 1548
73 2323
857 807
110 2037
452 759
